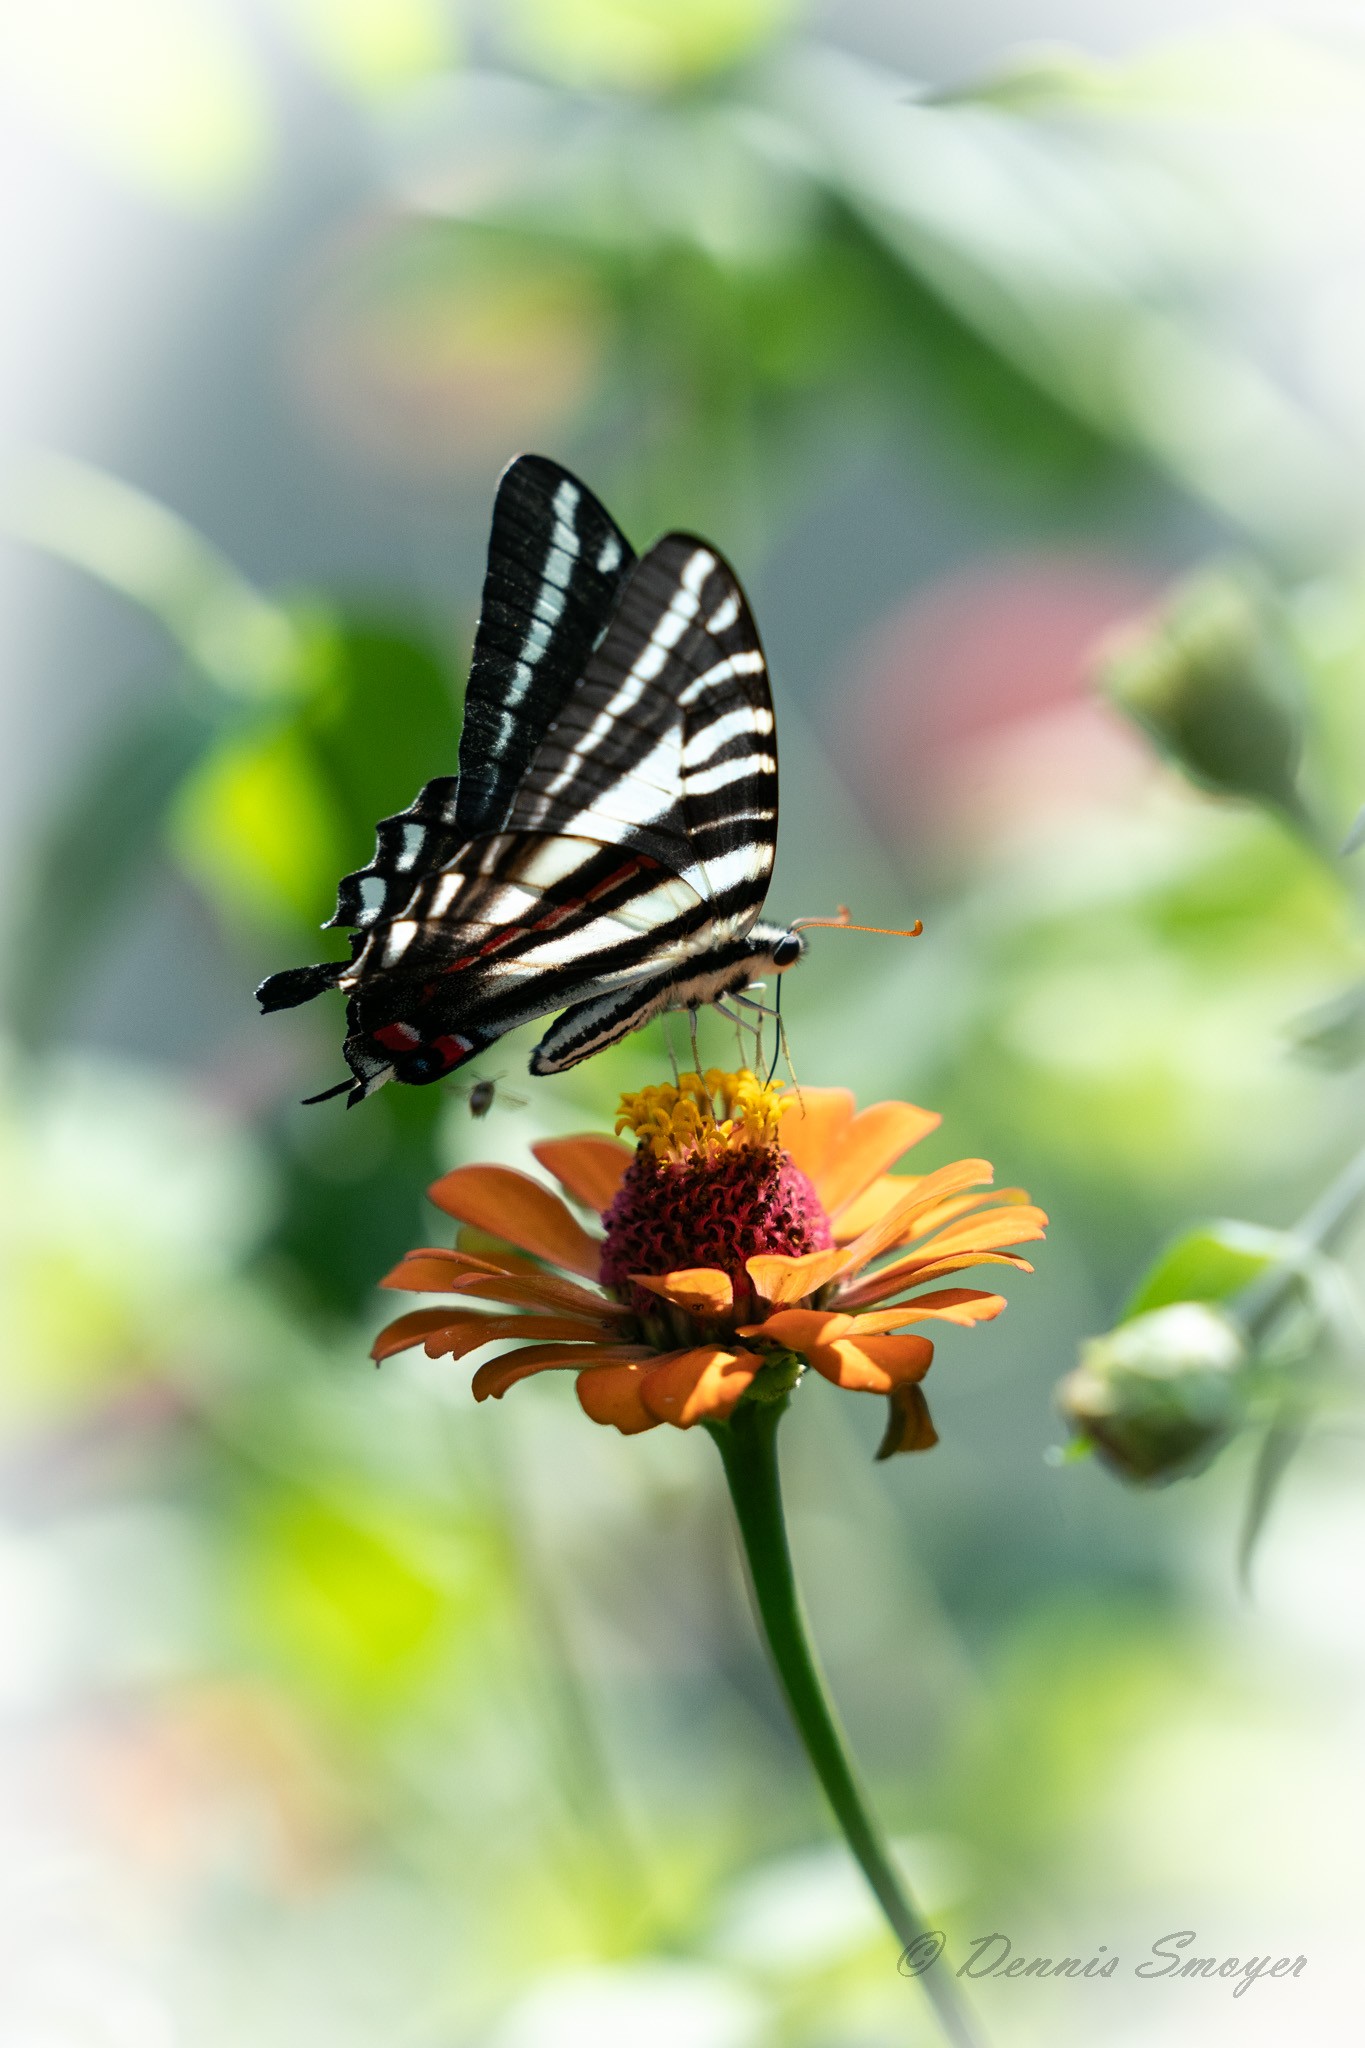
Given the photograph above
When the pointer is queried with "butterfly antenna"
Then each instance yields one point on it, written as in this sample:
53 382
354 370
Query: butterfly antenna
840 923
777 1049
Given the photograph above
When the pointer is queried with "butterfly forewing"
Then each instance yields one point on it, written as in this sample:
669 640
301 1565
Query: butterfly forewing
641 832
667 744
556 563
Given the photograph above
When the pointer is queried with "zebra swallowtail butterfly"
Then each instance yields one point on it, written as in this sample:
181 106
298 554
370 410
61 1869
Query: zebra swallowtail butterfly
605 849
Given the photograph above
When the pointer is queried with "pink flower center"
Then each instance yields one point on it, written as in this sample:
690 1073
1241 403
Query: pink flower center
717 1211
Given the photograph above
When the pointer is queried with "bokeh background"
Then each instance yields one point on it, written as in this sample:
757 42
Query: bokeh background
332 1708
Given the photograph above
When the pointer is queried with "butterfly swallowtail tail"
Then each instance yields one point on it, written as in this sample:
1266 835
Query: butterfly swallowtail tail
605 848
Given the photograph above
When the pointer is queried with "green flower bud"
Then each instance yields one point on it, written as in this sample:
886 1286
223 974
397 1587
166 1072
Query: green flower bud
1159 1396
1210 680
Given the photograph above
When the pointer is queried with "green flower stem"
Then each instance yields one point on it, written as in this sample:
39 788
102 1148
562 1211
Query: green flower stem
1317 1230
748 1448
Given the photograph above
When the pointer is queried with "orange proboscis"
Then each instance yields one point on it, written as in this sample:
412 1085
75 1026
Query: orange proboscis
840 923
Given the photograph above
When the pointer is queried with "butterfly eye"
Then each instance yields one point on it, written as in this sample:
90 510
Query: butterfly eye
787 950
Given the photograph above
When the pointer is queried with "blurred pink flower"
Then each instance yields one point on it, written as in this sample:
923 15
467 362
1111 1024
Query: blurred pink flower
972 714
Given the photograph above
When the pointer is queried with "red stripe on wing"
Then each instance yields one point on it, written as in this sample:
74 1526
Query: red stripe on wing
550 919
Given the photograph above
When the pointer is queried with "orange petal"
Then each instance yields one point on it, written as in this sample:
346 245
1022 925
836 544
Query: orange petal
872 1365
697 1386
492 1251
873 1141
590 1167
784 1277
882 1196
699 1288
914 1272
798 1327
432 1269
543 1291
611 1393
948 1180
498 1374
872 1204
407 1331
812 1133
986 1231
470 1331
965 1305
512 1205
909 1425
962 1205
435 1271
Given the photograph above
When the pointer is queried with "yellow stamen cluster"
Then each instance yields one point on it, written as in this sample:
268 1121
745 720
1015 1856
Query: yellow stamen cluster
715 1112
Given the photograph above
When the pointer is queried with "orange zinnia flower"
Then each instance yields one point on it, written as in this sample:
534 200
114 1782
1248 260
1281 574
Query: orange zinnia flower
749 1235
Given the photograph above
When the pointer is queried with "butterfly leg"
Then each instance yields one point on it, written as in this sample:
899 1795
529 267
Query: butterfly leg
733 1017
787 1055
756 1028
762 1010
692 1032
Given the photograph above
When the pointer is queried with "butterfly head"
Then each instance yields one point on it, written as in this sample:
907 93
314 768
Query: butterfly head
774 947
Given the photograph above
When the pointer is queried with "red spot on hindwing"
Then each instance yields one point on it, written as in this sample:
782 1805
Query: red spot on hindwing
452 1047
397 1037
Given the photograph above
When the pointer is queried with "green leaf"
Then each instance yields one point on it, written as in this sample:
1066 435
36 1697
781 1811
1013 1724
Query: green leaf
1210 1263
255 829
279 811
348 1191
1235 72
386 721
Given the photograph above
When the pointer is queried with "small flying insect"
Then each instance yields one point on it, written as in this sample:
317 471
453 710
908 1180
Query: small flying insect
480 1095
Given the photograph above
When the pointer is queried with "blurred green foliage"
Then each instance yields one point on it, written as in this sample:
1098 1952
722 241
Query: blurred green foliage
438 1702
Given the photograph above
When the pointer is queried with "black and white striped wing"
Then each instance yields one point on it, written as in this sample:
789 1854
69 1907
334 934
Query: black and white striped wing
556 563
644 830
612 831
668 745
